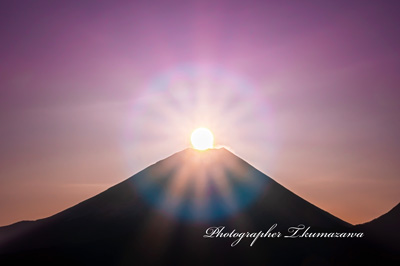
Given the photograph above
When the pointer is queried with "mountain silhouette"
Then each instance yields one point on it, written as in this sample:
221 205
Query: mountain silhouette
384 228
160 215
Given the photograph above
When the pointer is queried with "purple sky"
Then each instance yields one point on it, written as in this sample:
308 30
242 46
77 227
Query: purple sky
324 80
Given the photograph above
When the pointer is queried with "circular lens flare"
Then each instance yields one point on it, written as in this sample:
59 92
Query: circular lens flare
202 139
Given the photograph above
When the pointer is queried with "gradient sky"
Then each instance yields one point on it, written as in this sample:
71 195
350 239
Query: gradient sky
306 91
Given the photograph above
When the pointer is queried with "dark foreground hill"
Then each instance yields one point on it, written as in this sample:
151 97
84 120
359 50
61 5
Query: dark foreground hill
384 229
160 215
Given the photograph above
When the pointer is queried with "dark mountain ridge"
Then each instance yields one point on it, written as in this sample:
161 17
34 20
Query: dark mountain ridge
159 216
384 229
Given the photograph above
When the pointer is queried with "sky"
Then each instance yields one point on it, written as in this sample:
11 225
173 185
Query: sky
92 92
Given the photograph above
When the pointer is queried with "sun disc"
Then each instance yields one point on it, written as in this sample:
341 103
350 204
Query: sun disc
202 139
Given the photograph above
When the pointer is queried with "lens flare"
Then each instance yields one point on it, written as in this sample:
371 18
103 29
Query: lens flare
202 139
174 102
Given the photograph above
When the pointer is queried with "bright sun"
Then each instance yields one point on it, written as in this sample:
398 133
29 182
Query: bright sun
202 139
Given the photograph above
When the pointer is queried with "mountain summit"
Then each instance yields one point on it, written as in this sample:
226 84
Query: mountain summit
160 215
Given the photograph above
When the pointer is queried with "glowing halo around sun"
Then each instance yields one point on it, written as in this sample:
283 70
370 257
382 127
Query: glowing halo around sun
172 103
165 117
202 139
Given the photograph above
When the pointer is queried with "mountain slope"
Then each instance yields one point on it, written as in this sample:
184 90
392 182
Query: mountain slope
385 221
159 216
384 228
